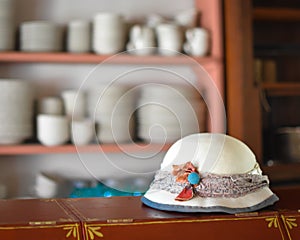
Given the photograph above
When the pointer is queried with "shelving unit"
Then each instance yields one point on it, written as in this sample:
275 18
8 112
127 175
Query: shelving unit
211 19
276 14
265 30
282 89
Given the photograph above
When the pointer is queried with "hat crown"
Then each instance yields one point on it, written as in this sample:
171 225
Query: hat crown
211 152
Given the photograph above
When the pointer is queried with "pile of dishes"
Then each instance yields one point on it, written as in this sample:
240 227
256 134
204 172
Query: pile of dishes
7 27
112 108
41 36
16 111
78 36
168 113
109 33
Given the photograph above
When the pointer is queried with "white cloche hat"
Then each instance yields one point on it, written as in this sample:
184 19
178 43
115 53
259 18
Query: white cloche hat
209 172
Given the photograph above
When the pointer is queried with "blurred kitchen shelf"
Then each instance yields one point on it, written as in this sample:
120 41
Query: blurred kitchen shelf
64 57
32 149
276 14
282 88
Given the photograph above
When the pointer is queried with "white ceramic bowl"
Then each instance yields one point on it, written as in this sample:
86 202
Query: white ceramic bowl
82 131
45 187
53 130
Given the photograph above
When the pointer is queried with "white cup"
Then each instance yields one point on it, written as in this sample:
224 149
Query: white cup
197 42
142 40
74 104
82 131
50 105
169 38
52 130
79 36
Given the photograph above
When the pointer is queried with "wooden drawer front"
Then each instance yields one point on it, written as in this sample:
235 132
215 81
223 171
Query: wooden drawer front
45 232
246 228
291 223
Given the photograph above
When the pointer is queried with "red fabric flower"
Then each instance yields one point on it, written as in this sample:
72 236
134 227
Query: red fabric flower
182 172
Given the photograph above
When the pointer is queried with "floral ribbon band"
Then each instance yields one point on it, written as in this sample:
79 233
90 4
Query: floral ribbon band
187 182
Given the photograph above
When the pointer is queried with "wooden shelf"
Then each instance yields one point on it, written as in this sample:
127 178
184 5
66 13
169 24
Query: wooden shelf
276 14
283 172
282 89
291 50
32 149
63 57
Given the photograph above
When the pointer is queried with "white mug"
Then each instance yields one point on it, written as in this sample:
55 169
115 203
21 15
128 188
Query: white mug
52 130
169 39
142 40
197 42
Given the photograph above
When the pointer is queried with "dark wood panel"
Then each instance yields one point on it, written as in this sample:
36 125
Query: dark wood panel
242 95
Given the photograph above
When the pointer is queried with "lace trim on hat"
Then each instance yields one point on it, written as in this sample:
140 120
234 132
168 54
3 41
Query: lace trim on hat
213 185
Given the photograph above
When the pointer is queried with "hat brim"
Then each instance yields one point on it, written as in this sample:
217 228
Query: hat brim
163 200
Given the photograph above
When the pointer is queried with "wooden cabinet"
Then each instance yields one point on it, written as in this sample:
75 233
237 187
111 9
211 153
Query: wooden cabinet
262 65
98 218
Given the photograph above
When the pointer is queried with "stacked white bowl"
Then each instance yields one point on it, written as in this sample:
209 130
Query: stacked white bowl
109 33
112 107
16 111
167 113
41 36
61 119
7 27
78 36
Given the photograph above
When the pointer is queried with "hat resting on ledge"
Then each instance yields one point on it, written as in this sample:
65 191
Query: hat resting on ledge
209 172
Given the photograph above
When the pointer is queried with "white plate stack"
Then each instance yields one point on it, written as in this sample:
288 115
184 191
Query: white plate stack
41 36
168 113
16 111
109 33
112 108
78 36
7 26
